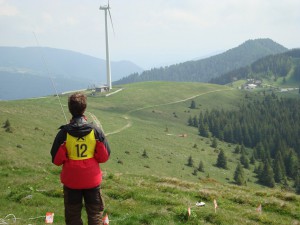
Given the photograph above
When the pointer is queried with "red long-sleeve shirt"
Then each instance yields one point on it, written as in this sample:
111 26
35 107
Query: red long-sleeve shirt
80 168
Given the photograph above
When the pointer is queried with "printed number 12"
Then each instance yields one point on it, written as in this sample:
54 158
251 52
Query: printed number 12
81 149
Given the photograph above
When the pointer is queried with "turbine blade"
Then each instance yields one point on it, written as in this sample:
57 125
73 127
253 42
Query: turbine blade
112 25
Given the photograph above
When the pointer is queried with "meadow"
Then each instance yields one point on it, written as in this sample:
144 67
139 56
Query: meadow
147 179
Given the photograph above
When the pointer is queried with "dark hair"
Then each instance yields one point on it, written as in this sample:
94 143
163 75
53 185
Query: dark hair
77 104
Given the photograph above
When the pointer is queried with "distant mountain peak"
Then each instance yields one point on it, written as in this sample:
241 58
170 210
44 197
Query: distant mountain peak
204 70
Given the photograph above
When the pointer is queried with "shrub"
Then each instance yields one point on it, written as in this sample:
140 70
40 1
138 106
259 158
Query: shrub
6 124
145 154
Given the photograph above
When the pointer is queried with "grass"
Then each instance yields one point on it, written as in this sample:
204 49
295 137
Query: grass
138 190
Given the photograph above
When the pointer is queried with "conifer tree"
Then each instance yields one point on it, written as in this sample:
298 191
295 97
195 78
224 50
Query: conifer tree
190 121
201 166
195 121
239 175
228 133
278 174
203 130
278 168
7 126
195 172
267 176
243 149
297 183
214 143
244 160
259 150
259 170
190 161
291 164
193 104
252 159
237 149
222 161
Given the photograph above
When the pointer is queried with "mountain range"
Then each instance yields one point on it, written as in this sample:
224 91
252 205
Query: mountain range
206 69
29 72
37 71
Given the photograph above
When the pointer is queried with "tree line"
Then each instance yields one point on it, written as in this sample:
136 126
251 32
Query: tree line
270 126
269 67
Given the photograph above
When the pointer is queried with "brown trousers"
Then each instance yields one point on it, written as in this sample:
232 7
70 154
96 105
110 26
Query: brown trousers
93 202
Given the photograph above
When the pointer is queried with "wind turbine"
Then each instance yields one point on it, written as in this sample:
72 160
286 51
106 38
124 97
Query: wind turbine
108 72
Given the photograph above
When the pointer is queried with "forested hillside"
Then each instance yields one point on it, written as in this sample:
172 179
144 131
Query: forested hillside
271 126
269 67
206 69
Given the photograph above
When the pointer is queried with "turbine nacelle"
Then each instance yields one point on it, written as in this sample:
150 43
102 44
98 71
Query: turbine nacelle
105 7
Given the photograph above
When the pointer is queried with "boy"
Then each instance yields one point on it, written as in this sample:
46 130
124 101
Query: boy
80 146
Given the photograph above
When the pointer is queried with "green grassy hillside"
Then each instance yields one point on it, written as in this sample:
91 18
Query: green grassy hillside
143 118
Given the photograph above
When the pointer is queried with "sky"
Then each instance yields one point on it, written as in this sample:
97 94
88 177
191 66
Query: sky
149 33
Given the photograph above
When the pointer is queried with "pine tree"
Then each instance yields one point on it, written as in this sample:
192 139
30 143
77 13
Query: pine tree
190 162
244 160
278 168
278 175
259 170
201 166
291 165
297 183
239 175
193 104
203 130
195 121
237 149
7 126
243 149
195 172
267 176
260 151
228 133
214 143
190 121
222 161
252 159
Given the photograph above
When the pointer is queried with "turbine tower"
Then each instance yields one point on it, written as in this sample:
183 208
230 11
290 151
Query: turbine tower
108 72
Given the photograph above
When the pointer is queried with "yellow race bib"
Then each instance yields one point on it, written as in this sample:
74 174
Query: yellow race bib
80 148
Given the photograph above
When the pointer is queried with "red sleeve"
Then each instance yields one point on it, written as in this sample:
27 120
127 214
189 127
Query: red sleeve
61 155
101 152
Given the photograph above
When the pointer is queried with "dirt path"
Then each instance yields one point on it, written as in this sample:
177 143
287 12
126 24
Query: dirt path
178 101
129 123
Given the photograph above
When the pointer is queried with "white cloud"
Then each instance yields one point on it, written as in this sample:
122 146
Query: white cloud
47 17
150 32
7 10
70 21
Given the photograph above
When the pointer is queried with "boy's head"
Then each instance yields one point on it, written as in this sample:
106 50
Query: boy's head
77 104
